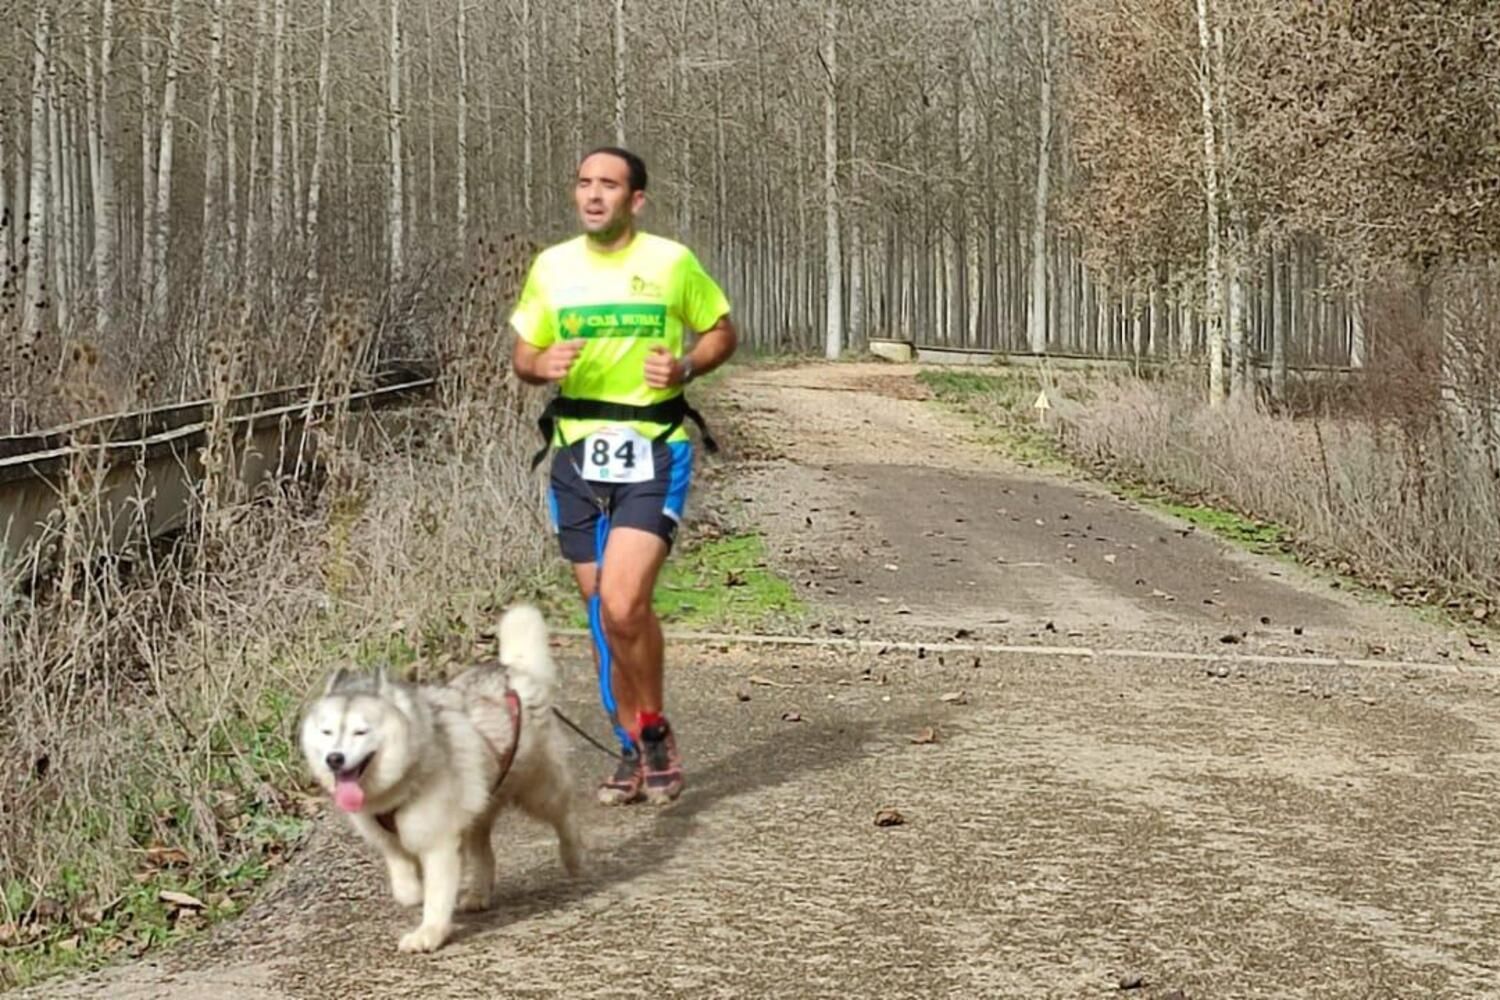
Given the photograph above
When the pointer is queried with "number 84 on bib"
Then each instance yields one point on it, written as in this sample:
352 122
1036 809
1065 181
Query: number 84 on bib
618 455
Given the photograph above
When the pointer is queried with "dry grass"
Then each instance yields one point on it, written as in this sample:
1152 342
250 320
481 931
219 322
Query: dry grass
1394 479
148 697
1409 506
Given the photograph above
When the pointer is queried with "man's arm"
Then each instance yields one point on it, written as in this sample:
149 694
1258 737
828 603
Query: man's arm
713 347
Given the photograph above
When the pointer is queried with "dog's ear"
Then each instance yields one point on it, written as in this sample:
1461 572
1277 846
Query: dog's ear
335 679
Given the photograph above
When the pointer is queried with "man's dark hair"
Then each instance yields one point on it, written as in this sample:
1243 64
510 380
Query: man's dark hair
635 163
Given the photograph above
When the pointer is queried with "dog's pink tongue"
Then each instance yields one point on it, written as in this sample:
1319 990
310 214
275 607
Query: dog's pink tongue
347 794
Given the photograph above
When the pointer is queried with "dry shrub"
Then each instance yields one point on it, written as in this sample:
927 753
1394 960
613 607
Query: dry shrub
1401 484
148 696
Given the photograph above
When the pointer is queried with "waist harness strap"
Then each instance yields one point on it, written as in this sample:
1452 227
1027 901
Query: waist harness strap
669 412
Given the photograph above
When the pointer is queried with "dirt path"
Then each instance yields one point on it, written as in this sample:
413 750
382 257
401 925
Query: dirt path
1191 827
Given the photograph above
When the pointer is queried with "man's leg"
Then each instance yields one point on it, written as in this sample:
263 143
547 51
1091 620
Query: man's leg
632 561
575 518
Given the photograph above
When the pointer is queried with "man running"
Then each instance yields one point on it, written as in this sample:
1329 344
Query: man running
604 315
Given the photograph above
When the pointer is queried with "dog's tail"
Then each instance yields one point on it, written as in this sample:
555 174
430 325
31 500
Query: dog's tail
526 656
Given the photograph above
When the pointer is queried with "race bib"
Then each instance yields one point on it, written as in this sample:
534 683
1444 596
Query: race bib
618 455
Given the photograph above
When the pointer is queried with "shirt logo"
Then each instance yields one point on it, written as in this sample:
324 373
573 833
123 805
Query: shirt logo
621 320
639 286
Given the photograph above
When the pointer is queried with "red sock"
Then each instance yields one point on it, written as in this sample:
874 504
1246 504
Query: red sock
645 720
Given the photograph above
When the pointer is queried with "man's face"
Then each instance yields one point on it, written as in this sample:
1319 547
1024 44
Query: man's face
605 202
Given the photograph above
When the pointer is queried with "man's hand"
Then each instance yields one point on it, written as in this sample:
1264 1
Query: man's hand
553 364
662 370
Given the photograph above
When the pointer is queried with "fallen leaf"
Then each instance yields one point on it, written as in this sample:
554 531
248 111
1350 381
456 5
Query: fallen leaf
925 735
791 716
1132 982
164 857
766 682
955 698
180 899
889 817
1110 558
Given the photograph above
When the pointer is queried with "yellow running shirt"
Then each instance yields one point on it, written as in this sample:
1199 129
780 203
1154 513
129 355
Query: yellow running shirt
622 303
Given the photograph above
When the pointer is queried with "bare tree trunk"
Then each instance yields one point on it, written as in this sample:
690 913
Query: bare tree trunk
147 269
212 242
462 208
252 248
278 130
973 275
320 154
1357 343
528 179
351 232
1036 313
1280 323
1158 317
680 89
858 321
395 234
1213 276
297 203
57 216
432 126
73 164
231 169
161 288
1239 243
409 167
8 218
620 71
721 161
34 316
577 80
833 257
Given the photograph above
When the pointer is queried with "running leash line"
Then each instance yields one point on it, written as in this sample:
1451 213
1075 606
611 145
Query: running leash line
584 733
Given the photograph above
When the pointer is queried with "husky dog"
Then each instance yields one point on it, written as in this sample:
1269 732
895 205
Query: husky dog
424 770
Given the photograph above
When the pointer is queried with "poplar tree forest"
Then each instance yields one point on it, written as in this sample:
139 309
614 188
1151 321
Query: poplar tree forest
1249 188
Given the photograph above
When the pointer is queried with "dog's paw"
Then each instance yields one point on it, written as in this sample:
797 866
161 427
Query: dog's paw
473 901
425 938
406 887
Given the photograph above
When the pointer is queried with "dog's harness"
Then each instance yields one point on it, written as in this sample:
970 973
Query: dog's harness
387 820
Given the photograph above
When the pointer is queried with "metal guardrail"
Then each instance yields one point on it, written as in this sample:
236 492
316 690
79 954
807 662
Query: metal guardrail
148 462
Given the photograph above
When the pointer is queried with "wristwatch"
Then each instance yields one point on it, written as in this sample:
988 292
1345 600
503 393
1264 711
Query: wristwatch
686 364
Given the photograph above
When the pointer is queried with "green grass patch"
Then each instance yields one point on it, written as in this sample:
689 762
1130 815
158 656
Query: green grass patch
1001 404
1260 537
725 583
